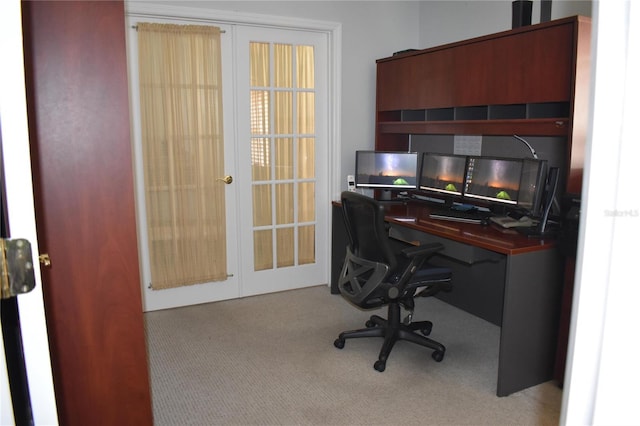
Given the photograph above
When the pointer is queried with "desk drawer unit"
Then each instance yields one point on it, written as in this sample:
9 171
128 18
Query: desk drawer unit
478 274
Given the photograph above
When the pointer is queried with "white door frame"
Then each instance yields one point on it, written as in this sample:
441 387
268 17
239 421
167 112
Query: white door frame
22 221
142 10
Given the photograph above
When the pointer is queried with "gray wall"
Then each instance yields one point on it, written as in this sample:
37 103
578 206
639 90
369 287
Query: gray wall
450 21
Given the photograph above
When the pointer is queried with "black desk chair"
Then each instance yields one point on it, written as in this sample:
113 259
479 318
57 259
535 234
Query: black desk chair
374 275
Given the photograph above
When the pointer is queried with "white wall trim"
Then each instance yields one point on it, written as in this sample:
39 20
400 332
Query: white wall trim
159 10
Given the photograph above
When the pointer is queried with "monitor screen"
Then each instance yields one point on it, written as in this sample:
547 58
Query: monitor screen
386 170
495 180
442 173
532 185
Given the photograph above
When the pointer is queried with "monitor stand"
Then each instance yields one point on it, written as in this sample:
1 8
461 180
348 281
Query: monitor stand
385 195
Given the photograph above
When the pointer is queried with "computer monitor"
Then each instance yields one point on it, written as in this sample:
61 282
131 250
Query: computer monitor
548 190
442 174
532 186
386 170
493 180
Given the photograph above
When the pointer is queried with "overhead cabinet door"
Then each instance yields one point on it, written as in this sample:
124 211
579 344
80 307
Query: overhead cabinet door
502 69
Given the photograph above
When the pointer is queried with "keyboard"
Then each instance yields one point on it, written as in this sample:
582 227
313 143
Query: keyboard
509 222
461 215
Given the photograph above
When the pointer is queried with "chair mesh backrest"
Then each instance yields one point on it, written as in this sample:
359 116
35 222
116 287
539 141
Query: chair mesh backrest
364 219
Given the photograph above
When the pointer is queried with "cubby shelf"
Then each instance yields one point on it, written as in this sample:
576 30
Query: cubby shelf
540 127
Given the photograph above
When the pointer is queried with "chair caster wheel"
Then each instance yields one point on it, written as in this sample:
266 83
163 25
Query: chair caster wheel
426 331
339 343
380 365
437 356
370 324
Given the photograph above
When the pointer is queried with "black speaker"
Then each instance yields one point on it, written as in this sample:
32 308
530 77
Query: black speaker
521 13
545 10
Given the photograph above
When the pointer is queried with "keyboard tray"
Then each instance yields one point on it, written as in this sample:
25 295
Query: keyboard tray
461 216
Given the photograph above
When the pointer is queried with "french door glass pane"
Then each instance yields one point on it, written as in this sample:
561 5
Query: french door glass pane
263 249
305 77
283 113
306 112
285 247
260 159
284 203
306 244
284 158
259 66
262 198
306 202
260 112
282 57
306 158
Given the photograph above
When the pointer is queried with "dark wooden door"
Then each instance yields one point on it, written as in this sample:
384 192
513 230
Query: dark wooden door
77 96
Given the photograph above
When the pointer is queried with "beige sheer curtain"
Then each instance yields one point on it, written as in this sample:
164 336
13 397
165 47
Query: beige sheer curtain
182 140
283 154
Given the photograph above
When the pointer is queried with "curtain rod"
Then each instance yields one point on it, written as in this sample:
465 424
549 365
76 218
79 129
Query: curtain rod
135 27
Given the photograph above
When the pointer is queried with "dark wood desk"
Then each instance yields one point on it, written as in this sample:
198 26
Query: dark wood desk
499 275
415 215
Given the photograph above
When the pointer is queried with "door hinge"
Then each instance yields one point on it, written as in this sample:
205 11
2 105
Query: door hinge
16 267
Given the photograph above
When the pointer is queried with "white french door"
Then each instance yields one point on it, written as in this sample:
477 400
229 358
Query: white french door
154 299
283 155
276 217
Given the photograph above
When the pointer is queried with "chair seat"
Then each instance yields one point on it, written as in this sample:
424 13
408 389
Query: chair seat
434 273
428 282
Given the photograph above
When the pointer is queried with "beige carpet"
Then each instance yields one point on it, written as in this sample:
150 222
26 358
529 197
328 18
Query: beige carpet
270 360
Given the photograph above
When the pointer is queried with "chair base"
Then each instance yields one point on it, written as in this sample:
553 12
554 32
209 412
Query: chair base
392 330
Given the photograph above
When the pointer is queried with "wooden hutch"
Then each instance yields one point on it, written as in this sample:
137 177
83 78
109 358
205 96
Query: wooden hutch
529 81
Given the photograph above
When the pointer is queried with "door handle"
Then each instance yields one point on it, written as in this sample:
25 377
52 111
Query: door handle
45 259
227 179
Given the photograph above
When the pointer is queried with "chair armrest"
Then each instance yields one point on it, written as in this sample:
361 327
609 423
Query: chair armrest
422 250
